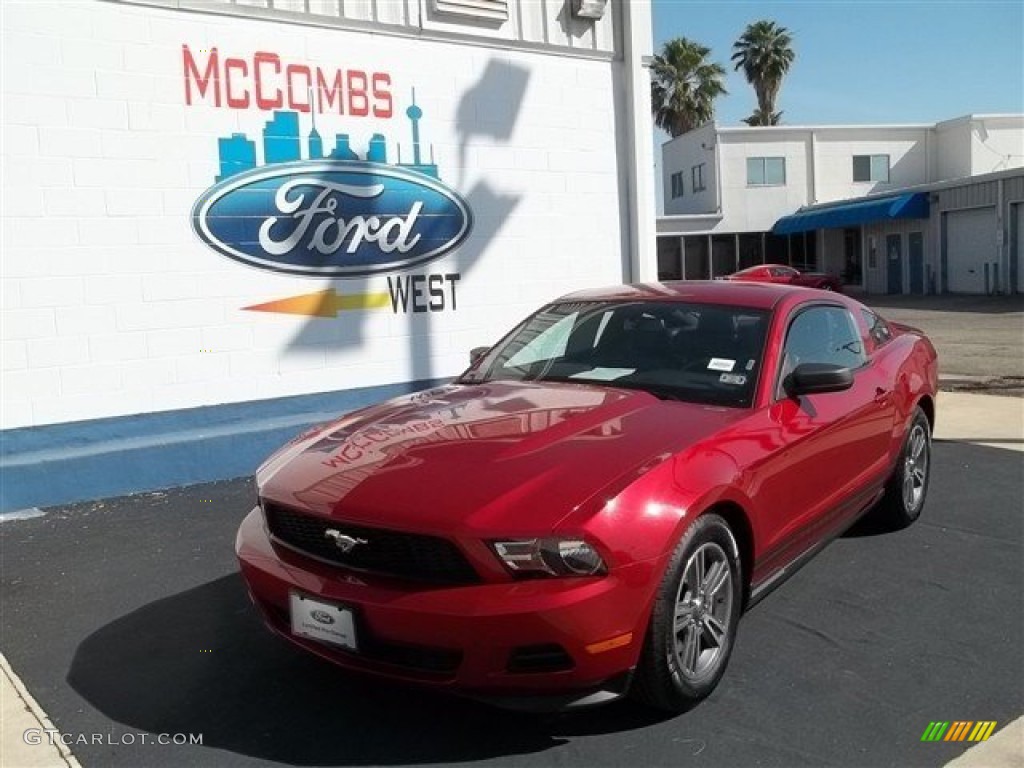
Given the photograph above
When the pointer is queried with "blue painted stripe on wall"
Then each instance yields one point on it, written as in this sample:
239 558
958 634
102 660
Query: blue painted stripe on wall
84 460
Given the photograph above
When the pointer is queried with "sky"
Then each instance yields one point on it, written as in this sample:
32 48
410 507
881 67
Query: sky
866 61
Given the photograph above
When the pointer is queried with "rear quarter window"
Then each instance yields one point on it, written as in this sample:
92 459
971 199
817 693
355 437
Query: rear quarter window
878 330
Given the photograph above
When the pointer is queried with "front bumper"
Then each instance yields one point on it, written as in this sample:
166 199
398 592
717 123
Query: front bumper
468 639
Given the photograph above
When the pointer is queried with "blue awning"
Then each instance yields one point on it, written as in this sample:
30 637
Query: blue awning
910 206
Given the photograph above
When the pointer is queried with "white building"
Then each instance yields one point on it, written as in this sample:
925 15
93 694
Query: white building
223 221
727 189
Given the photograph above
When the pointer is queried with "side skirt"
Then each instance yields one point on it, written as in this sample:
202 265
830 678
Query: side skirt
779 576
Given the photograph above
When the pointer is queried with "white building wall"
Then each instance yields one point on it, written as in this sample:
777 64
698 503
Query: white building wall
997 144
757 208
681 155
819 168
819 165
952 147
908 160
111 303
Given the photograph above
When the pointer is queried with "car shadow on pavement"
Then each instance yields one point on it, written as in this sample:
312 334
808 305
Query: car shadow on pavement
201 662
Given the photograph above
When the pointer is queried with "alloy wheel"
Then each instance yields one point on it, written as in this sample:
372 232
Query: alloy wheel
915 468
703 608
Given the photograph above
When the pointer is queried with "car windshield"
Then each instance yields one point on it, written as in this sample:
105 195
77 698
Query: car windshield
699 353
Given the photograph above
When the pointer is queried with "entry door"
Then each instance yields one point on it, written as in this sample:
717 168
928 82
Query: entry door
915 249
894 262
836 443
851 253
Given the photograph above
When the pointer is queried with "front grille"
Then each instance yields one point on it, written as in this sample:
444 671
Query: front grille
404 555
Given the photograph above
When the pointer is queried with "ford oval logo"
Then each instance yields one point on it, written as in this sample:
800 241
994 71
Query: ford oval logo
332 218
322 616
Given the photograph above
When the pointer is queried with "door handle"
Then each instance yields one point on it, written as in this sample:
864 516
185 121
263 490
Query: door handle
882 395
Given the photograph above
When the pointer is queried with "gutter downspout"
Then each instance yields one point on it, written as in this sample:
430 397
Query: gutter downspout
718 168
928 155
637 49
813 175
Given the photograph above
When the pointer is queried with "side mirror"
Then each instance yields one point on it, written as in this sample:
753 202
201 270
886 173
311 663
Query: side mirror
476 353
817 378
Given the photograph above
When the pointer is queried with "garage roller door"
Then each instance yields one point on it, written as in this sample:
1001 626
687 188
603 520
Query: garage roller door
970 245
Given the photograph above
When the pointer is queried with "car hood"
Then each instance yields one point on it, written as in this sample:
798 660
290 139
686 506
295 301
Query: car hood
509 456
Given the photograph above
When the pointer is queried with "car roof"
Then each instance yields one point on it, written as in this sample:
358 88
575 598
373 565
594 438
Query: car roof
753 295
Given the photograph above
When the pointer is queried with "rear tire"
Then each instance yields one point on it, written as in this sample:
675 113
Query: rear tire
693 623
906 490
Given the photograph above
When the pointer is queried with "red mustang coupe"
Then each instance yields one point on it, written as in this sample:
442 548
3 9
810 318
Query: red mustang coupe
591 506
780 273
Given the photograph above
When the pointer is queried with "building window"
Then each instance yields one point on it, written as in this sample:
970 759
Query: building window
766 171
871 168
697 177
677 184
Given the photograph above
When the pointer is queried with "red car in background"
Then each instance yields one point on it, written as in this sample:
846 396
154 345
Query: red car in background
591 506
781 274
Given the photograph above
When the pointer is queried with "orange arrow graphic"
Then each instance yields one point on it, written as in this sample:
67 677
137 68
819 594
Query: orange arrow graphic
327 303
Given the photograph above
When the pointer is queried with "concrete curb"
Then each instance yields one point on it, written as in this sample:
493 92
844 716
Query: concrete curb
1005 749
22 713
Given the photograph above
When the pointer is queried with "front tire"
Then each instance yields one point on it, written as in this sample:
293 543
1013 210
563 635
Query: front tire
906 490
693 624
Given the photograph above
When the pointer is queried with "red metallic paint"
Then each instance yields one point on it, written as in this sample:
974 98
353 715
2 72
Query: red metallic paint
766 273
621 468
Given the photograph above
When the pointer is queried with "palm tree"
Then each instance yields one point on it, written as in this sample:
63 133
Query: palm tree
757 117
684 86
764 53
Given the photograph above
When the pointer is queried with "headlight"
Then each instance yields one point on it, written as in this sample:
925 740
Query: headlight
550 557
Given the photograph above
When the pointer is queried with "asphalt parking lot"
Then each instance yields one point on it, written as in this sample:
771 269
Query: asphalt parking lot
978 338
127 616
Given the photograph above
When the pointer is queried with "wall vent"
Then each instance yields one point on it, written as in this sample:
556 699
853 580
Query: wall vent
492 10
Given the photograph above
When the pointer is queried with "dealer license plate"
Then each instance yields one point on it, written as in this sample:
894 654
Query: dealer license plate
322 621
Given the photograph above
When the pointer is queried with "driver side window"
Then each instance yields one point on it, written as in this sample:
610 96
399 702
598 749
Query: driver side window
822 335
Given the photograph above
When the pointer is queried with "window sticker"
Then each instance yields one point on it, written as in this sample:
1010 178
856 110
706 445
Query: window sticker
721 364
733 378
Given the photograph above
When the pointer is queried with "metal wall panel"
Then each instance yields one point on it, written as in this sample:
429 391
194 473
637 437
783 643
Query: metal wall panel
545 23
1014 188
969 196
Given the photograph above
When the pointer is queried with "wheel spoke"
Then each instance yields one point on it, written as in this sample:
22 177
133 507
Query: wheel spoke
908 489
716 578
919 444
919 475
714 629
691 650
698 564
684 614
